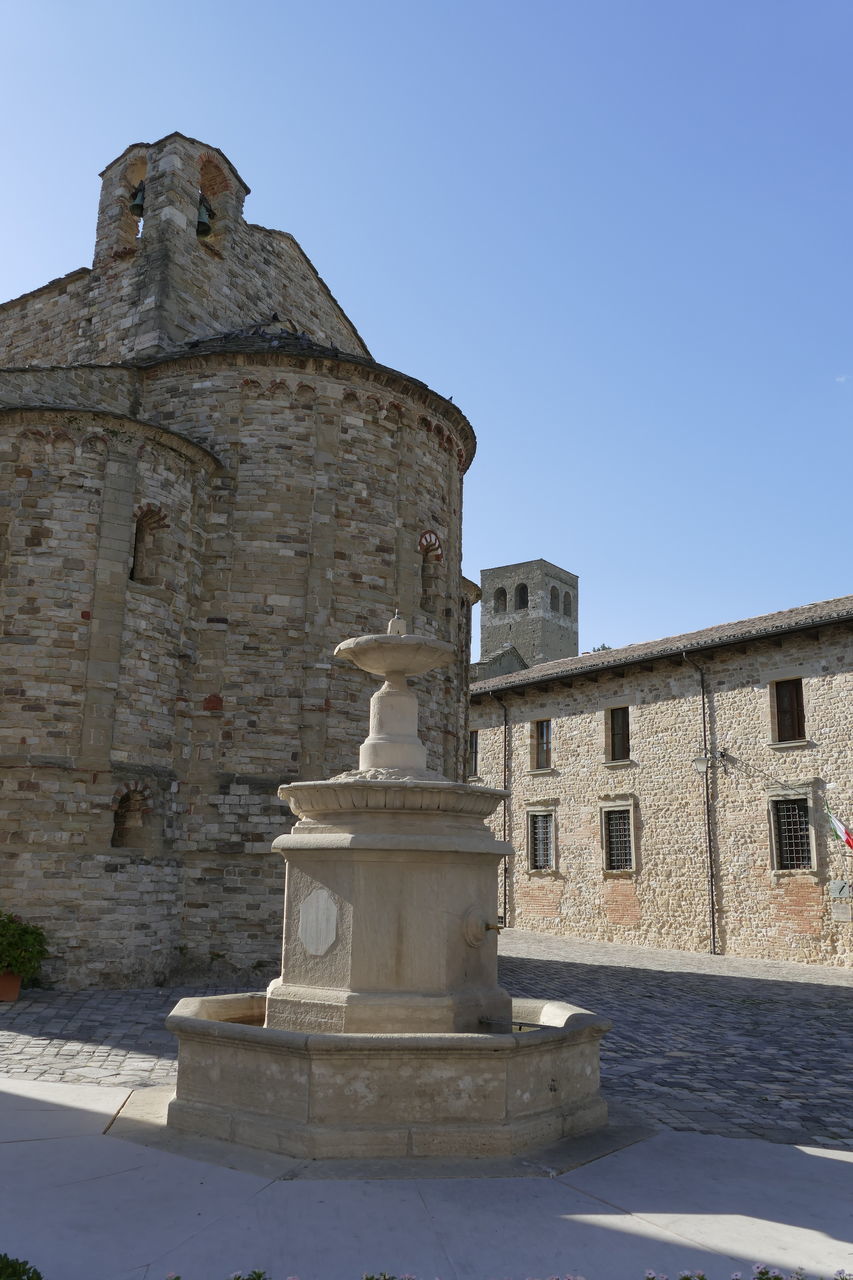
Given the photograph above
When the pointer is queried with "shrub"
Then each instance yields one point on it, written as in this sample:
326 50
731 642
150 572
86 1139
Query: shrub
16 1269
22 949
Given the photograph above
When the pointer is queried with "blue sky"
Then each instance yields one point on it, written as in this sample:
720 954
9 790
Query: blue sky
617 232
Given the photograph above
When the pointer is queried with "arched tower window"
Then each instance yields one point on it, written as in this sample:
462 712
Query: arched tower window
521 596
148 544
555 600
212 188
567 605
130 211
499 601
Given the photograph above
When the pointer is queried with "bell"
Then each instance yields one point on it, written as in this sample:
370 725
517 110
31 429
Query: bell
137 201
203 229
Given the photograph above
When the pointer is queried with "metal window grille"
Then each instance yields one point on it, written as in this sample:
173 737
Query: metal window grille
618 854
790 713
542 751
791 830
620 739
474 751
541 841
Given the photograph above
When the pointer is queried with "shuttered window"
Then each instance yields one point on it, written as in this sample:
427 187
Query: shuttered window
542 744
619 746
790 713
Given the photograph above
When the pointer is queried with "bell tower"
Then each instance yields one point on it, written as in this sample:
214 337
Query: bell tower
531 607
168 230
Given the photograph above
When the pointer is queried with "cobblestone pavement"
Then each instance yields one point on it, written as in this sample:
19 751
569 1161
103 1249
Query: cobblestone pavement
740 1048
715 1044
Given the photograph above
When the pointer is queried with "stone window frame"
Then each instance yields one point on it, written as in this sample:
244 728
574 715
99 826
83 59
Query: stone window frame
610 804
540 809
521 597
541 749
618 762
806 791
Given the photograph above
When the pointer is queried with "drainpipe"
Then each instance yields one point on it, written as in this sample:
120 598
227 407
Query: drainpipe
502 706
709 843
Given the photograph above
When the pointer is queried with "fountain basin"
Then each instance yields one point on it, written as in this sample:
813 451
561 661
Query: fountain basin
317 1095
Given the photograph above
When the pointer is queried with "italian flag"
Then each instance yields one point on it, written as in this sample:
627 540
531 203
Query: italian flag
841 831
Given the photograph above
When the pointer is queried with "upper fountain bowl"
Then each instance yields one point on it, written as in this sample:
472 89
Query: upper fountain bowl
396 655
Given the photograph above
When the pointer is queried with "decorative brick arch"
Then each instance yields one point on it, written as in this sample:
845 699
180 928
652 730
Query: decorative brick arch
153 515
134 788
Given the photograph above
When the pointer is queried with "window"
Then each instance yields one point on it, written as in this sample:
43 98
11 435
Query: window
541 744
791 833
540 841
617 745
521 596
787 711
148 545
567 605
499 602
555 600
129 820
474 752
618 840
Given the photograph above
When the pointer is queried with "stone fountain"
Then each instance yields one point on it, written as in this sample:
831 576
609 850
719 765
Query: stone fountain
387 1033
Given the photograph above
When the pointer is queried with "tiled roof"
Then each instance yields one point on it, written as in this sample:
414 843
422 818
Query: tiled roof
259 337
769 624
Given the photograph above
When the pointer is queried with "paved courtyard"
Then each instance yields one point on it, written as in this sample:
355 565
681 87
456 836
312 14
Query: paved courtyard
711 1044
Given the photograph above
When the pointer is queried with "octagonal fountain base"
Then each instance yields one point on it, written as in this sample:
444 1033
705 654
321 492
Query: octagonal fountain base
320 1096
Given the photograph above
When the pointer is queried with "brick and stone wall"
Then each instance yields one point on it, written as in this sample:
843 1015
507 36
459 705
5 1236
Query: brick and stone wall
185 536
664 900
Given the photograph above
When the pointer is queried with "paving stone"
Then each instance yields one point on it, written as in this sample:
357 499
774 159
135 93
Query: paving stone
710 1044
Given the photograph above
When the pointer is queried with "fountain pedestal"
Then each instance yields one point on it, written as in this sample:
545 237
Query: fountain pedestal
390 904
387 1033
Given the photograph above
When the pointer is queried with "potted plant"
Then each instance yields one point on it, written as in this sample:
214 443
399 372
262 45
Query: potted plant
22 948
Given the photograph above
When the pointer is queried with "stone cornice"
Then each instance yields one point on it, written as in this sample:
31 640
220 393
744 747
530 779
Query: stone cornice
158 435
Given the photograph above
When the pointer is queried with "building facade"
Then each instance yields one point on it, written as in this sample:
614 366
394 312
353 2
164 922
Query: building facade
673 794
207 482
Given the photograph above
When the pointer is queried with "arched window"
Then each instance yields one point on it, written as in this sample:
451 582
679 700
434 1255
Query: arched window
212 187
499 602
133 217
555 600
147 545
567 605
521 596
127 821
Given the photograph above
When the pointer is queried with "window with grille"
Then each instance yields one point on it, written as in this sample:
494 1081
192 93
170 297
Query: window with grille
542 744
618 846
791 834
540 841
618 737
790 719
474 751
